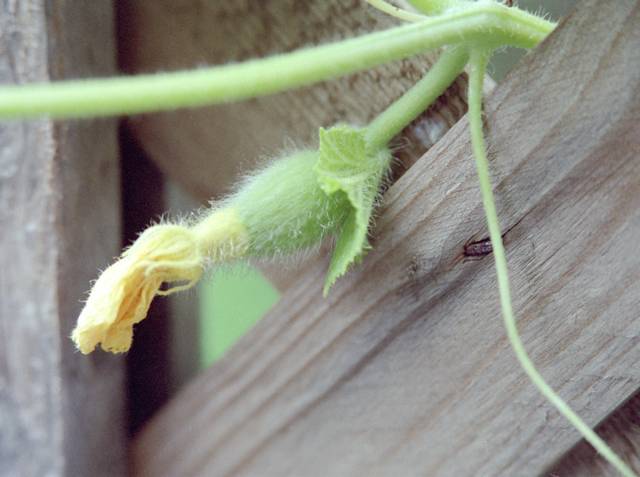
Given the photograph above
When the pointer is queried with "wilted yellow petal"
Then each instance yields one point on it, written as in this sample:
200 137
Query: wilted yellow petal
122 295
164 253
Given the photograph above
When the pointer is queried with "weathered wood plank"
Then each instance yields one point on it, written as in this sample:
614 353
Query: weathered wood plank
59 215
206 149
405 368
622 432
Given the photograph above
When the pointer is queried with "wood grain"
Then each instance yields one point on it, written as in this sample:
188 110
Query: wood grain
205 150
405 368
60 413
622 432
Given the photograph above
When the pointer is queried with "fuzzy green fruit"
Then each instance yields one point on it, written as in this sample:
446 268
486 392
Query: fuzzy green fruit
284 209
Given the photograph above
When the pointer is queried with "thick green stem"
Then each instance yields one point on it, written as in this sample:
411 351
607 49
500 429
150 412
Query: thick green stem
483 24
416 100
478 66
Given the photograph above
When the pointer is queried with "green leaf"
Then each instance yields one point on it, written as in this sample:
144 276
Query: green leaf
346 166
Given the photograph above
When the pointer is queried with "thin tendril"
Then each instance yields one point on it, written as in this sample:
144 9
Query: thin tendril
396 12
434 7
478 65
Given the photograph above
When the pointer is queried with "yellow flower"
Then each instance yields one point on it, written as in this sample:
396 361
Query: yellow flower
164 253
122 295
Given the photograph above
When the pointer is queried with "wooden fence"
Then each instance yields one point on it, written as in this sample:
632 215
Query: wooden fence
404 369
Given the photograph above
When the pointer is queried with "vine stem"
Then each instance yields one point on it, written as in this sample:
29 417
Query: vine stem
482 24
417 99
478 63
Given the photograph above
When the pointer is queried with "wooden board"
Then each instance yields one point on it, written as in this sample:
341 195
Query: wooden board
206 149
622 432
61 413
405 368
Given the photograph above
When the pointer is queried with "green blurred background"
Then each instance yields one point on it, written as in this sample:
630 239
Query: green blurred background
231 301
